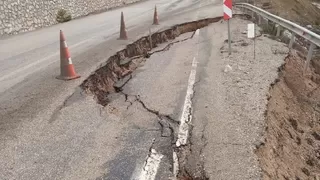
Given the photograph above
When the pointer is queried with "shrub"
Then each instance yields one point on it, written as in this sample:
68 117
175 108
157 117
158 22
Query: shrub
63 16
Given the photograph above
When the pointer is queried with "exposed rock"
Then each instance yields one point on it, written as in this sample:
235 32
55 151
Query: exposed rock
309 26
227 68
7 30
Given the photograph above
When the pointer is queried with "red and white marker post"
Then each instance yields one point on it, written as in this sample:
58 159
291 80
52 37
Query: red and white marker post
227 15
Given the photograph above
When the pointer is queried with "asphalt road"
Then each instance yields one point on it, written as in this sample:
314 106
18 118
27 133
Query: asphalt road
43 136
22 53
50 129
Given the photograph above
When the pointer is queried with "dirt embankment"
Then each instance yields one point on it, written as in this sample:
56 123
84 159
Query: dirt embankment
292 139
292 147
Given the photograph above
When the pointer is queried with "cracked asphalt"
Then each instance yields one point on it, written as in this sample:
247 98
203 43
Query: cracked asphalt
158 87
53 130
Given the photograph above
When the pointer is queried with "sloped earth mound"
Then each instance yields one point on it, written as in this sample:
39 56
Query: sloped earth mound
292 146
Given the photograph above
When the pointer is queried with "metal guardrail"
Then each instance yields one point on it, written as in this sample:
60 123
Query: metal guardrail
298 30
312 37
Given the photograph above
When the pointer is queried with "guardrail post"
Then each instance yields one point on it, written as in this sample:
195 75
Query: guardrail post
311 48
259 19
278 30
291 40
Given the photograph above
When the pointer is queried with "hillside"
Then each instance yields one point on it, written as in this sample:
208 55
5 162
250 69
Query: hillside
292 146
300 11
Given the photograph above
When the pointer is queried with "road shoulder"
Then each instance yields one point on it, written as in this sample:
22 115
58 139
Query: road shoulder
231 99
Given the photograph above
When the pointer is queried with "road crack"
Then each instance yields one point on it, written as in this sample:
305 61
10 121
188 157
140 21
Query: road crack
118 72
169 45
166 122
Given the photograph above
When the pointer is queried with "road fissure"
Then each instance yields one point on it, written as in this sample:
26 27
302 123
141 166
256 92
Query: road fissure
119 70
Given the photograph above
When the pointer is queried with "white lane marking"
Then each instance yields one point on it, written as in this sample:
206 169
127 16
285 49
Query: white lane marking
151 166
186 115
175 164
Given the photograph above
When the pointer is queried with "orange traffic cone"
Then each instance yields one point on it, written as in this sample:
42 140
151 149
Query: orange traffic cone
66 66
155 17
123 31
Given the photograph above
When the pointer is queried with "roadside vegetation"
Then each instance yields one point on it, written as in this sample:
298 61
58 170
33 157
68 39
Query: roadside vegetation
63 16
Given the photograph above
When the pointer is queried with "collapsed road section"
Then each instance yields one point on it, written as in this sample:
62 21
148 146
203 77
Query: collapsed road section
120 66
143 90
120 69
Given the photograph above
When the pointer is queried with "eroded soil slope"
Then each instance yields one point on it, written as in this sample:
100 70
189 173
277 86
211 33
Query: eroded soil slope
292 146
300 11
